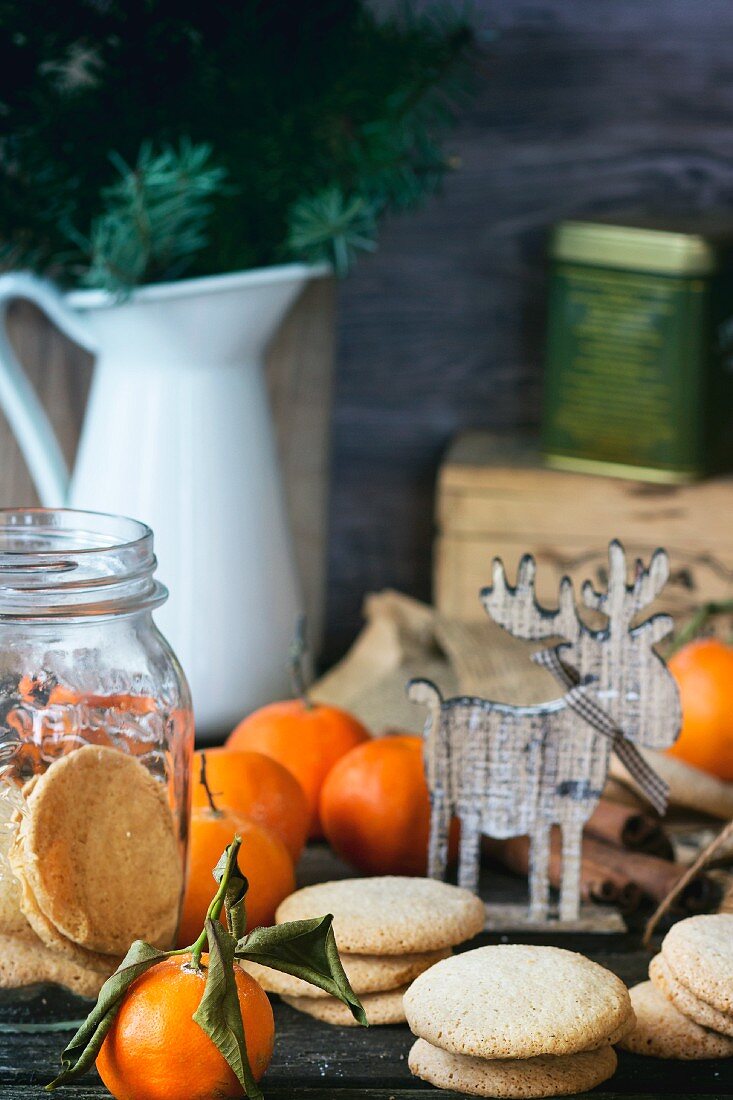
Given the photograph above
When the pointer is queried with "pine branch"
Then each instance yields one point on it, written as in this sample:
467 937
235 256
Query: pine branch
329 226
155 219
323 117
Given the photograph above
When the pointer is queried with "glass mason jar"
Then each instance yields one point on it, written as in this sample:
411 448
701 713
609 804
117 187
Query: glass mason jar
96 737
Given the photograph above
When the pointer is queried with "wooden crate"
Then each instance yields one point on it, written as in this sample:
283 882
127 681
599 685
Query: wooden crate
496 499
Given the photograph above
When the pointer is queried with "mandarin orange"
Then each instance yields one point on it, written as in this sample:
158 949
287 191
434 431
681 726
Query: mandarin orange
155 1051
256 787
306 738
375 807
703 670
263 859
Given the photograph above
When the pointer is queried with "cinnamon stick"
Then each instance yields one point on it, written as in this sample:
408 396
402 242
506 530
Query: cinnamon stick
628 828
691 875
655 877
597 883
614 876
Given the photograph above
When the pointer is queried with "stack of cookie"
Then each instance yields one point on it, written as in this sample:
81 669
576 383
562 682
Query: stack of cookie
517 1021
686 1010
388 930
91 863
24 959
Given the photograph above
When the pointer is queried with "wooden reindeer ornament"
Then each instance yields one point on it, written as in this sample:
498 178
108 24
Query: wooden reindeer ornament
508 770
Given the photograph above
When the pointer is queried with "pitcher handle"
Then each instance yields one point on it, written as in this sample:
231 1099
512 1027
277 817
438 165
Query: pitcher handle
18 399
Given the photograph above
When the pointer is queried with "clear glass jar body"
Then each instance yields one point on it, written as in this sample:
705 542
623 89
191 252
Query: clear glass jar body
81 664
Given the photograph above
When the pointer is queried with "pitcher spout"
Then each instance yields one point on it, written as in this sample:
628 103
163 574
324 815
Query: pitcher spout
222 319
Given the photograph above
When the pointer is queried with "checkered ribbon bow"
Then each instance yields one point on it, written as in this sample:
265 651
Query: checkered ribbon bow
654 787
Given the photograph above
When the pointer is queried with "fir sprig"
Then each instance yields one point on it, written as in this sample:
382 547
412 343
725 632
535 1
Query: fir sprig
324 117
155 217
329 226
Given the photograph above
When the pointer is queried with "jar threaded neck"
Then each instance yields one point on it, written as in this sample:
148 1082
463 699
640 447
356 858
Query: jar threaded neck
60 563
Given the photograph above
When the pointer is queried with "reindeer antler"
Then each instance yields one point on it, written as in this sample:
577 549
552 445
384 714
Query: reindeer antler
622 602
650 582
517 611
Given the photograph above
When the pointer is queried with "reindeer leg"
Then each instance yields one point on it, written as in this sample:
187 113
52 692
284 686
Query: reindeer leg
468 864
572 841
539 872
440 819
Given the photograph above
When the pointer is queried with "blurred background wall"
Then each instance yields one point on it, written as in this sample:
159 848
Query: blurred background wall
584 106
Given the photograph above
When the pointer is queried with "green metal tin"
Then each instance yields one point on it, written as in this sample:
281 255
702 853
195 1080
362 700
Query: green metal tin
639 378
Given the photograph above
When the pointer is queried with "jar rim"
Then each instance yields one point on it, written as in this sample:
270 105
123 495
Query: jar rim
20 519
70 563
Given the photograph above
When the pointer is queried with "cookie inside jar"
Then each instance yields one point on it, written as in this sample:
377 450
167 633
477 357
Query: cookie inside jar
96 736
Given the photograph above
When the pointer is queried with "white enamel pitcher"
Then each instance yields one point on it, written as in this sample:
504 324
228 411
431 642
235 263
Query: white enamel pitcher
177 433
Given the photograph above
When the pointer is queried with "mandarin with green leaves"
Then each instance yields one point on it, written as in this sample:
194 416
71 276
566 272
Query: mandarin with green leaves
155 1050
191 1024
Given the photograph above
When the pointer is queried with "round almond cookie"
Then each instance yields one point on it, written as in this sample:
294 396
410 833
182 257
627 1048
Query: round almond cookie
687 1003
24 961
11 915
545 1075
100 851
663 1032
50 936
390 915
699 954
518 1001
366 974
380 1008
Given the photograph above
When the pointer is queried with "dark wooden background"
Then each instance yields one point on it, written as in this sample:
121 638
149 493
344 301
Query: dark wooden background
583 106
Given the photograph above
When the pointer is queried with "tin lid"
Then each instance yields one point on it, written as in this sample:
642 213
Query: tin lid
673 250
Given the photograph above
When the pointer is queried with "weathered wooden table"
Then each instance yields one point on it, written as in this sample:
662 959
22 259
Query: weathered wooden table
314 1061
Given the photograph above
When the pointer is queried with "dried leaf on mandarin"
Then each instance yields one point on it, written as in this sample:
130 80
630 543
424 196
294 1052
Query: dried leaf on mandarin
155 1051
307 738
259 788
703 670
